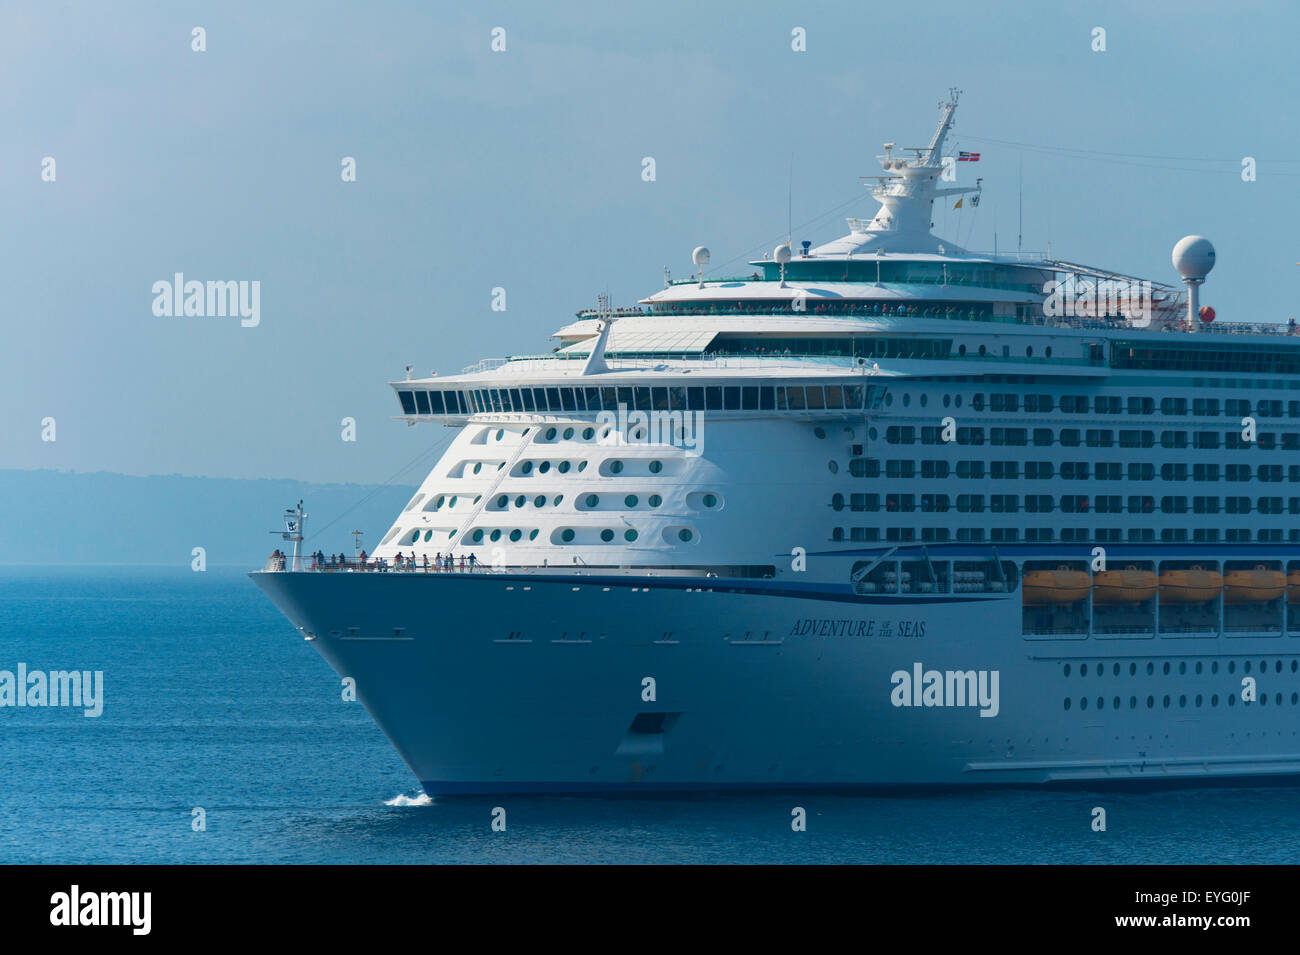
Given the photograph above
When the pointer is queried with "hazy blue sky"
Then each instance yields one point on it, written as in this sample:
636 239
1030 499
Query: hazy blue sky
522 169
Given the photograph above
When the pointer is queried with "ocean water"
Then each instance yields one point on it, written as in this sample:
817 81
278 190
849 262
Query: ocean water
212 701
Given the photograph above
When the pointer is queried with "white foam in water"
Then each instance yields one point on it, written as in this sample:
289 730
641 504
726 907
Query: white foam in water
424 799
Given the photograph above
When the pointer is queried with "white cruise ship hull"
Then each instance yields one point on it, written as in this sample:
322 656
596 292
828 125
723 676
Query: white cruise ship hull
534 682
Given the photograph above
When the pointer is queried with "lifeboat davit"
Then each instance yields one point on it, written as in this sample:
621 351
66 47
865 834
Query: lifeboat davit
1196 585
1050 588
1253 586
1127 586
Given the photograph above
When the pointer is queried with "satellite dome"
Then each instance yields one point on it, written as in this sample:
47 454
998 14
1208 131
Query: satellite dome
1193 257
700 256
781 254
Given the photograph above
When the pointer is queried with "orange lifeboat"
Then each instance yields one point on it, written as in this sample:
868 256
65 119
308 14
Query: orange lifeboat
1049 588
1196 585
1253 586
1127 586
1293 586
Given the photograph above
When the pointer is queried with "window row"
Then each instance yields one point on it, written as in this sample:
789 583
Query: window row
1091 438
1071 470
1068 503
1077 535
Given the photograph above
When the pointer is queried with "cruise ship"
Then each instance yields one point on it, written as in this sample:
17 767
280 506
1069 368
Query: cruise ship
880 512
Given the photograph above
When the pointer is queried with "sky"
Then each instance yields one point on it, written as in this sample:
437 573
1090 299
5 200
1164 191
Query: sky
522 169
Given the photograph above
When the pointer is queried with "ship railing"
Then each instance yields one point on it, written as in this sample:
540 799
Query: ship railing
485 364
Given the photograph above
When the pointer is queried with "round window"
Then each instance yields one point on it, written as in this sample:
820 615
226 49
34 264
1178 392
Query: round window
629 535
526 467
539 500
437 502
607 535
656 467
502 501
837 502
588 433
415 536
655 500
582 466
478 536
710 500
615 467
630 500
550 434
501 433
568 433
558 499
566 535
1048 351
496 534
684 534
543 467
532 535
428 536
516 534
593 500
520 501
452 502
563 467
834 468
478 466
819 431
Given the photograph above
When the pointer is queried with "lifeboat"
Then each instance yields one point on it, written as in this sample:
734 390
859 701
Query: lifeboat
1253 586
1127 586
1293 586
1047 588
1196 585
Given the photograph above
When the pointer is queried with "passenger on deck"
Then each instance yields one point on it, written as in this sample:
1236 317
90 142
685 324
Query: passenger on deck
473 561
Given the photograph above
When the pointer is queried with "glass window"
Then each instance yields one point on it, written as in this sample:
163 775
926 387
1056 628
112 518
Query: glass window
422 402
407 398
713 397
731 398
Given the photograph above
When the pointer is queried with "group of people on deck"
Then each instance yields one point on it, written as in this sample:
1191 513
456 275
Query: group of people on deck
322 561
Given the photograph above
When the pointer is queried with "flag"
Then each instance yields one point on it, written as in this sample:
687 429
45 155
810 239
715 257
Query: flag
975 199
958 205
968 157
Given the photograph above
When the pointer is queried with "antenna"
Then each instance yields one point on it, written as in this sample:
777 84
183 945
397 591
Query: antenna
356 542
1020 223
789 205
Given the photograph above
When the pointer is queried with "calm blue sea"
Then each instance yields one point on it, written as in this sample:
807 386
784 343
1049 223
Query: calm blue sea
213 701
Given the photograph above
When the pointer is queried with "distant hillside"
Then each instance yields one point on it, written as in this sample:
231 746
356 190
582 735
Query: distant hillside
57 517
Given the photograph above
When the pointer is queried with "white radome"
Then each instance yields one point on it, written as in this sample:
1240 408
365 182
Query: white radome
1193 256
701 255
781 254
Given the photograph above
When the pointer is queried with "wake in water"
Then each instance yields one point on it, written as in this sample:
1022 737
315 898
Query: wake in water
424 799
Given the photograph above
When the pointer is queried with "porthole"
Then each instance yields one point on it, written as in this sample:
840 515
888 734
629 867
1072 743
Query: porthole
1029 351
1232 699
496 534
1182 700
947 400
1199 666
478 466
820 432
889 399
1083 702
543 467
563 467
654 500
957 401
925 399
520 501
568 433
566 535
604 434
983 350
684 534
1067 666
452 502
550 434
526 467
837 502
588 434
629 535
1115 703
1067 702
1232 666
1116 670
710 500
539 500
1151 702
1166 668
1246 666
615 467
532 535
415 535
832 467
593 500
1182 667
656 467
961 350
1214 699
638 434
1083 669
907 400
501 433
1214 666
437 501
630 500
1132 702
607 535
1166 701
872 433
582 466
1151 668
1198 699
556 501
1048 351
502 501
1132 669
516 534
477 536
428 536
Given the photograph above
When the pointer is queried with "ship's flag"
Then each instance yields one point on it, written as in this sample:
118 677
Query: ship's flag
968 157
957 205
